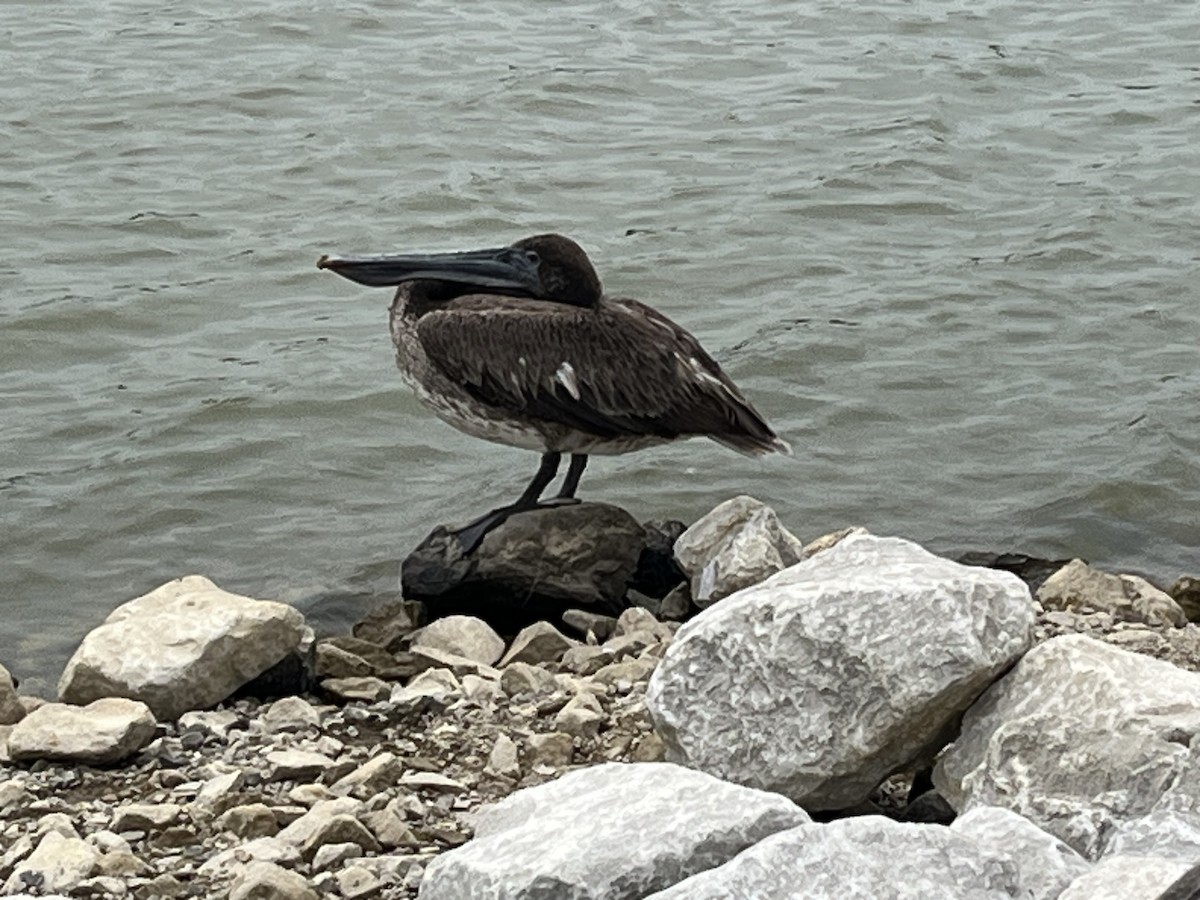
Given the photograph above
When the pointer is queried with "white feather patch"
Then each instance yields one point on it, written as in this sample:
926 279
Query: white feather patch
566 377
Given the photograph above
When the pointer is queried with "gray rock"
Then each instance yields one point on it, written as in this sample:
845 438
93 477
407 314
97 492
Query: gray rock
250 820
739 543
503 760
522 678
433 658
538 644
57 864
11 710
581 717
145 816
390 625
433 782
356 882
1079 737
331 855
432 689
185 645
572 837
463 636
266 881
365 687
875 632
589 622
103 732
635 620
1169 833
297 765
291 714
1126 878
534 565
865 857
553 749
373 776
1045 865
1128 598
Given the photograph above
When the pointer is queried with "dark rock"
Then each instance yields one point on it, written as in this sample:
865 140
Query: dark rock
582 621
1187 886
1030 569
390 624
1186 592
376 659
294 674
533 567
657 571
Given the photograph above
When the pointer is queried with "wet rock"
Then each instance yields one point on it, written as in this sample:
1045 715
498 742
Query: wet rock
786 664
1079 737
267 881
1126 878
1045 865
739 543
571 837
103 732
58 864
534 566
185 645
538 644
11 710
1127 597
868 856
463 636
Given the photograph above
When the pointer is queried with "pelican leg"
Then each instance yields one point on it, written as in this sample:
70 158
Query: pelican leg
470 535
574 472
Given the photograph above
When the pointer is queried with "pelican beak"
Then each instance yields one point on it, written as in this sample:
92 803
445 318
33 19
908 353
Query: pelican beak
505 268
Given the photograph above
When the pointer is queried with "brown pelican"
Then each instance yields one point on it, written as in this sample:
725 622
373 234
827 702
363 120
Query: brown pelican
519 345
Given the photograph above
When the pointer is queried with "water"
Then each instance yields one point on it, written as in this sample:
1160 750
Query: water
949 249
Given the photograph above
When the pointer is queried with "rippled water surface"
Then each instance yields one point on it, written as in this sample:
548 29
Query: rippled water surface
949 249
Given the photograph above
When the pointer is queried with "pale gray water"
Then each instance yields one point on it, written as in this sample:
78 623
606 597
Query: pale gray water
949 249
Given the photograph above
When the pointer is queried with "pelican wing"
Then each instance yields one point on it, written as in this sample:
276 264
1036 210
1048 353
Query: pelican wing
620 369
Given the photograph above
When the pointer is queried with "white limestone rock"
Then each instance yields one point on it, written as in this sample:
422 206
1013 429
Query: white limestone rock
1128 598
1079 737
464 636
1045 865
866 858
101 733
291 714
185 645
1169 833
739 543
57 864
614 831
839 671
1126 878
11 710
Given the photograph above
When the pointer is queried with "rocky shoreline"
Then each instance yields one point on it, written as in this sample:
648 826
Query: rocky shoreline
854 717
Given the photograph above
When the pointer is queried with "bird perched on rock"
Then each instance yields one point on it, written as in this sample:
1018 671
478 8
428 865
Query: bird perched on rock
520 345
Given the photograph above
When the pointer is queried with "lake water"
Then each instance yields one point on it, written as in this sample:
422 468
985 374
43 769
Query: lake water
949 249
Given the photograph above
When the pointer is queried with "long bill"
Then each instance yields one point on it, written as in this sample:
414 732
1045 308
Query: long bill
505 267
